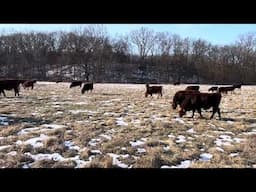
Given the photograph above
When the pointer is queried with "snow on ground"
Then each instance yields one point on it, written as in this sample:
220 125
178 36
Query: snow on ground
71 145
35 142
94 142
233 154
205 157
191 130
82 111
136 143
118 162
3 120
105 136
141 150
40 129
183 164
12 153
223 140
4 147
181 139
219 149
179 120
120 121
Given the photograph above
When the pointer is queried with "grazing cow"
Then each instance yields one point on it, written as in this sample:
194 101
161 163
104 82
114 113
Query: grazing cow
87 87
179 97
214 88
153 90
75 83
176 83
238 86
198 101
193 87
9 85
28 84
226 89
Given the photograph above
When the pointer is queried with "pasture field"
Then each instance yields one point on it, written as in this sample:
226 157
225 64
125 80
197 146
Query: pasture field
115 126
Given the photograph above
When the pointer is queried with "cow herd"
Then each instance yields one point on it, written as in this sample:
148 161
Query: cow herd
190 99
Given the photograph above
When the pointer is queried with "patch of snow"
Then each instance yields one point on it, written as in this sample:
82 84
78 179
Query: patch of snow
96 151
136 121
141 150
105 136
171 136
41 156
181 139
35 142
71 145
136 143
165 167
119 121
12 153
27 130
183 164
179 120
205 157
191 130
116 161
167 148
219 149
4 147
59 112
94 142
82 111
3 121
233 154
230 122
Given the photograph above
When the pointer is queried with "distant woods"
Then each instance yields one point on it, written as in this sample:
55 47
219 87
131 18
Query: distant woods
141 56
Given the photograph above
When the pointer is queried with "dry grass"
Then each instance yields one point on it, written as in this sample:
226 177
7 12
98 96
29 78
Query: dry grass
91 123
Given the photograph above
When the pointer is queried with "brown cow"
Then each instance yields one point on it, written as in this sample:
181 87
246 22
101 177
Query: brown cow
28 84
197 101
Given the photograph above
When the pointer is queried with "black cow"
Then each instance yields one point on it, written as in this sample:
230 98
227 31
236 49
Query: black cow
87 87
198 101
75 83
226 89
153 90
9 85
193 87
214 88
176 83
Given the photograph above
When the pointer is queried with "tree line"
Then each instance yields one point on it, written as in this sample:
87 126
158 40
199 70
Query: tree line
140 56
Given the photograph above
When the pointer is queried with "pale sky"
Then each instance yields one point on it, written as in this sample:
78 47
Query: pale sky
215 33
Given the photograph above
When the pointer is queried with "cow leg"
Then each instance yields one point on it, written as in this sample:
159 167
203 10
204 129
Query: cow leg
3 93
214 110
218 110
200 113
193 112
